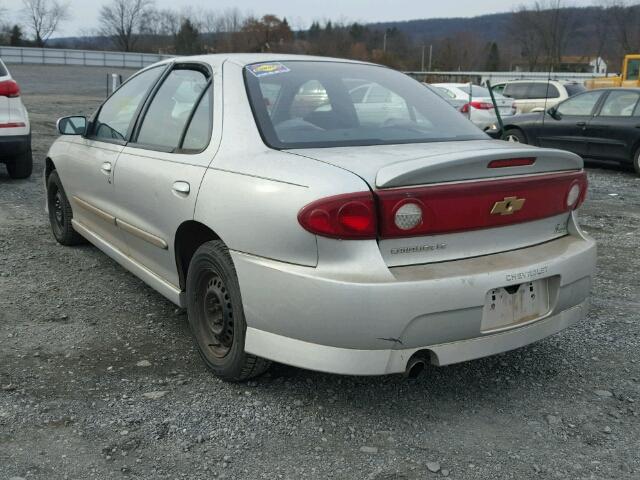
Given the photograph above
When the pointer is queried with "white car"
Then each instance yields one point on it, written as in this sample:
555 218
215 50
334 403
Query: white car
15 130
298 226
478 106
537 95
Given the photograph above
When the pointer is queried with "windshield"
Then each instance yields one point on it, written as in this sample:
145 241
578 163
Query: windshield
302 104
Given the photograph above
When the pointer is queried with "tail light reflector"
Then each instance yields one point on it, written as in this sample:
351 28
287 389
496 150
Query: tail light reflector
13 125
351 216
511 162
9 88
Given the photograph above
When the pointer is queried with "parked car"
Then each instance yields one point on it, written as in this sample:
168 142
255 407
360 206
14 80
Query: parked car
600 124
15 130
457 103
321 241
537 95
478 106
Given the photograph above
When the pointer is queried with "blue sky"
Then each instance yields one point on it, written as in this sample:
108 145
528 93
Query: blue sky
300 13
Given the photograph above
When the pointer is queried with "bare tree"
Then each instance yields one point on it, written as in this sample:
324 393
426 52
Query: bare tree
624 21
43 18
122 21
525 33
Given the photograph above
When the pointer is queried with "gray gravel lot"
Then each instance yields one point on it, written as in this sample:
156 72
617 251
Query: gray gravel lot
99 377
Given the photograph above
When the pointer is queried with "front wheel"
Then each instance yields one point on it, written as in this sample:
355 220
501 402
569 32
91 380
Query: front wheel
216 316
514 135
60 213
636 161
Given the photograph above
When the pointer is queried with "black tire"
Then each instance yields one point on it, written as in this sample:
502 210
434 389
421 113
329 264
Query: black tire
636 161
514 135
21 166
216 316
60 213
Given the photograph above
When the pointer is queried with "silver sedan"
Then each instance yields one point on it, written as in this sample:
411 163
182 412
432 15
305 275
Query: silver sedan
323 213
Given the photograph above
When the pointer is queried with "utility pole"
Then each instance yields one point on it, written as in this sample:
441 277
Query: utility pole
430 55
423 48
384 42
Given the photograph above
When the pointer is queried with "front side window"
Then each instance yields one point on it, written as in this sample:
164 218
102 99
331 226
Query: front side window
325 104
117 114
580 105
171 108
633 69
620 104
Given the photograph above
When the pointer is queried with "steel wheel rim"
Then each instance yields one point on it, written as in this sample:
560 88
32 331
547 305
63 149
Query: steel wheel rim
58 211
512 139
217 315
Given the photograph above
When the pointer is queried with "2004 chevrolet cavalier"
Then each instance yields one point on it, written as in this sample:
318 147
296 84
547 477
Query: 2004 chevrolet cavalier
323 213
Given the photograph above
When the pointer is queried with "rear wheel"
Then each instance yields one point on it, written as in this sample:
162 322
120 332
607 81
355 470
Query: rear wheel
216 316
21 166
515 136
60 213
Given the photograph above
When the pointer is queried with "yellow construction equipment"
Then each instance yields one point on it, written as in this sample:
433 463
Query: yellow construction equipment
630 75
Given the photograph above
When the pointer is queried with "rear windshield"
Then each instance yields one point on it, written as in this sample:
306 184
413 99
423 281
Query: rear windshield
574 88
302 104
3 71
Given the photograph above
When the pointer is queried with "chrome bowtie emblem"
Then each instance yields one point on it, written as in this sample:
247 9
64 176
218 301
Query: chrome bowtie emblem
508 206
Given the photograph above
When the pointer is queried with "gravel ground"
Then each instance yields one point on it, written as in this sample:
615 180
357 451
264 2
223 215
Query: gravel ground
99 377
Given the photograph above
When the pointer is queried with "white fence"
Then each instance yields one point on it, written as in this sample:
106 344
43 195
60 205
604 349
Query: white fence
496 77
59 56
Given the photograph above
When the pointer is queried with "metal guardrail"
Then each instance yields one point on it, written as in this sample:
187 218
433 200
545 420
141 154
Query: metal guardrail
92 58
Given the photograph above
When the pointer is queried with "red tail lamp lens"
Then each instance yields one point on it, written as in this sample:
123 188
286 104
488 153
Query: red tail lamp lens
9 88
349 216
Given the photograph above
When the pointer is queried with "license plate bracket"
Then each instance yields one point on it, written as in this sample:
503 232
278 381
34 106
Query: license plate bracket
507 307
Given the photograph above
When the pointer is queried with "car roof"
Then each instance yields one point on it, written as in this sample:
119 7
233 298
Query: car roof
244 59
544 80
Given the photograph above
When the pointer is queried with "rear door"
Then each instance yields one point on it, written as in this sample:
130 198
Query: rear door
613 132
159 173
567 130
87 170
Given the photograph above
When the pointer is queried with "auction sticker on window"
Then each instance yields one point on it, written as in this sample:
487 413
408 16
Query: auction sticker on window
264 69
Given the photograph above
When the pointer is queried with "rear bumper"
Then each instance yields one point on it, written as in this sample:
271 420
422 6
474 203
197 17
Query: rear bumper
364 323
13 145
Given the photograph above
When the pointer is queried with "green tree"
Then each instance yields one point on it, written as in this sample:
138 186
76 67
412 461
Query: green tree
188 39
15 36
493 58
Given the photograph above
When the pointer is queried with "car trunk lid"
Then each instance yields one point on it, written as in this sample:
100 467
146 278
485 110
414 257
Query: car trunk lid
463 189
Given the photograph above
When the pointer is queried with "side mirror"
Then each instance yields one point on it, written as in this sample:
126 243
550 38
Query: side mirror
553 112
72 125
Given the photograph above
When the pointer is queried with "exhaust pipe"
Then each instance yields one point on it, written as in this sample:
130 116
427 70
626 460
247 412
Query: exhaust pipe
415 367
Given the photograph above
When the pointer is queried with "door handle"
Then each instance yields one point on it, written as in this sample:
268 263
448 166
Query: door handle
181 187
106 168
581 124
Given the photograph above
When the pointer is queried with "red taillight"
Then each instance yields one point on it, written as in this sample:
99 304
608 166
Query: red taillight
475 205
445 208
511 162
13 125
9 88
477 106
350 216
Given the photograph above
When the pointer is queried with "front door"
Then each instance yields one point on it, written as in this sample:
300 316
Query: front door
88 172
159 172
567 128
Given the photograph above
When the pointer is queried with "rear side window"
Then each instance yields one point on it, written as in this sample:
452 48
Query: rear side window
118 112
543 90
475 91
620 104
574 89
171 109
198 134
3 71
517 91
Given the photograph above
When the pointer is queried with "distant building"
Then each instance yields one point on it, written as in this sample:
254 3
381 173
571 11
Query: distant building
572 63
